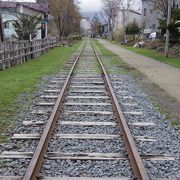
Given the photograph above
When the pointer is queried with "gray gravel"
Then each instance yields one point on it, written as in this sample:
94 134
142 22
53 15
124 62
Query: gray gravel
82 117
167 136
68 129
87 168
87 146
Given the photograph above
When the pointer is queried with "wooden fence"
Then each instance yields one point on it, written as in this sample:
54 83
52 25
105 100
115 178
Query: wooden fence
18 52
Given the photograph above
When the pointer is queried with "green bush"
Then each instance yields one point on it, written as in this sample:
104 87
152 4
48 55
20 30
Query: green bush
76 37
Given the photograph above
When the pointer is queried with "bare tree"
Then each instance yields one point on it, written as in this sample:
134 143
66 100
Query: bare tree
162 6
66 14
111 9
96 25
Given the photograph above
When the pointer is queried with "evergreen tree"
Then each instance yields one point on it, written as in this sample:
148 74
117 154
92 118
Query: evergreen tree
132 29
26 26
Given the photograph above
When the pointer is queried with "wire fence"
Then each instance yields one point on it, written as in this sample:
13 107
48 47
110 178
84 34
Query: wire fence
18 52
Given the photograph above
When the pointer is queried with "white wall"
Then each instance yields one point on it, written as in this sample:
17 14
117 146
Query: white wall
8 32
129 17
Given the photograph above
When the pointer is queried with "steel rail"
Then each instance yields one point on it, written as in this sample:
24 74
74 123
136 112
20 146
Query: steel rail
134 157
38 157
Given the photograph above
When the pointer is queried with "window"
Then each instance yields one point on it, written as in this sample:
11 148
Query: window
145 11
6 24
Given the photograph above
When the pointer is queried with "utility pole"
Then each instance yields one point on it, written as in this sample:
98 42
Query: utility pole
167 30
1 25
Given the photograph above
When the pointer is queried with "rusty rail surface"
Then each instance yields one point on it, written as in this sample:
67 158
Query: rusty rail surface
134 157
38 157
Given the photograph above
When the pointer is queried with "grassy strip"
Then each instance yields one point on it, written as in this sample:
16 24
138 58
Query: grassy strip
155 55
25 77
111 60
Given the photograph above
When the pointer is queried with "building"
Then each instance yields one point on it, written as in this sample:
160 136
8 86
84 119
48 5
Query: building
150 16
130 11
85 26
125 17
10 11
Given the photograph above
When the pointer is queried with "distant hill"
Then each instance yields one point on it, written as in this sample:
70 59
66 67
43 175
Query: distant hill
89 14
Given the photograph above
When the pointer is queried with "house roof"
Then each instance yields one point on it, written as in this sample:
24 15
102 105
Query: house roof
35 6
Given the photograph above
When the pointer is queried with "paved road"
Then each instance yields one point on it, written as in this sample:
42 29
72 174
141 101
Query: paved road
165 76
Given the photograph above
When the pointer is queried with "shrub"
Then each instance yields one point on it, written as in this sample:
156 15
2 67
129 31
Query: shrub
76 37
119 35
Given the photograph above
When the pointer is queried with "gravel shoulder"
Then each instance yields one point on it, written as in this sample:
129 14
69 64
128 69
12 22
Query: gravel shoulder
158 80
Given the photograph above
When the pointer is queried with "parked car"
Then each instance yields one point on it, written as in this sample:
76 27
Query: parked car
153 36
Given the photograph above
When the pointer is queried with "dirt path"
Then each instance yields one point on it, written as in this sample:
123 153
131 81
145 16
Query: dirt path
165 76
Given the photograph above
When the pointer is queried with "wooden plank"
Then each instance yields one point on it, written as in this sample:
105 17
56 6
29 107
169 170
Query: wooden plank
129 104
39 112
87 91
81 136
86 156
94 87
163 157
89 112
128 97
87 123
122 92
54 86
85 178
83 156
57 81
33 123
88 82
145 138
87 104
142 124
87 136
45 104
16 155
52 90
88 78
49 97
11 177
26 136
136 113
87 97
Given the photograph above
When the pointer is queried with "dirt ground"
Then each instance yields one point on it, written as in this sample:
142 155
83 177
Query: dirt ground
166 104
160 81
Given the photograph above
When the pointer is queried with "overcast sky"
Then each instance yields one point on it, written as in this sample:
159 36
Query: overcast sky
95 5
90 5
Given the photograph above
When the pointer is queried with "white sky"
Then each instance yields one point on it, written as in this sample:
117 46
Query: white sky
93 5
90 5
85 5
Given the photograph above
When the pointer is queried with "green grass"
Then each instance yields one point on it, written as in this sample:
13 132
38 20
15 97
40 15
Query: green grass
25 77
110 59
173 61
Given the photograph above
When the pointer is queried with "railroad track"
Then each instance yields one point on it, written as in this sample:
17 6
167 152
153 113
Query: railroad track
86 126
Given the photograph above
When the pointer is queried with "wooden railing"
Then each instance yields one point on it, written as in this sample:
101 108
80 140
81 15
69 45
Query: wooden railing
18 52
